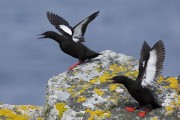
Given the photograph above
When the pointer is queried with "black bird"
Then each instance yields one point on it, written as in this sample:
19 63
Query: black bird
150 67
77 32
74 49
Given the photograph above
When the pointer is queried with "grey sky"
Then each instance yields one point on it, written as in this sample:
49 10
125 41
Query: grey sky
26 63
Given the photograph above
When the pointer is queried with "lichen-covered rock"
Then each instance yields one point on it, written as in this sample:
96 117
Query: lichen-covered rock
21 112
84 93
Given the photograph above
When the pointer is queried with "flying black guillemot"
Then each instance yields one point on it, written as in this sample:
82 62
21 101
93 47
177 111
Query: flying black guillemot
68 45
150 67
77 32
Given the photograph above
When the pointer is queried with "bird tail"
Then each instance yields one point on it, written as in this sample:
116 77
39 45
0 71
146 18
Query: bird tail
92 54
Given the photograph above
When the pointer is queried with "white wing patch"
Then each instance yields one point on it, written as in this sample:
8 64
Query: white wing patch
75 39
77 30
150 69
66 29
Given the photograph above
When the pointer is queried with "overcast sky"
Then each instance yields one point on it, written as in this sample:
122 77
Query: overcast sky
26 63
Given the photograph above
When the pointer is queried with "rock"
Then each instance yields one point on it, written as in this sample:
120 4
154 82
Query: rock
84 93
21 112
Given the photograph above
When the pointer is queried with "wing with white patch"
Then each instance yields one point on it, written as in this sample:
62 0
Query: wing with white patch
66 29
60 24
144 55
80 29
154 64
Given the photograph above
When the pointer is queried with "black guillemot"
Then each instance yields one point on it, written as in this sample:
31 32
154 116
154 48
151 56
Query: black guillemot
150 67
68 46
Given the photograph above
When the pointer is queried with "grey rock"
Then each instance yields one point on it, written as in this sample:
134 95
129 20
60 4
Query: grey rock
86 94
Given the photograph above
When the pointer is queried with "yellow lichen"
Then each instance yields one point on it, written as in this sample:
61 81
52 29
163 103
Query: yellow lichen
161 78
81 99
117 68
175 104
173 82
112 87
103 78
39 118
11 115
113 70
178 89
98 91
132 73
71 90
98 69
165 87
169 108
27 107
178 100
154 118
61 107
83 88
114 99
75 93
98 114
93 81
169 112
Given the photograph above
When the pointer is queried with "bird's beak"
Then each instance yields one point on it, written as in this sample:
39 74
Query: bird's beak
40 36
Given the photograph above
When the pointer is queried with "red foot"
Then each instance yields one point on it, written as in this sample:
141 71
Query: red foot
130 109
73 66
143 113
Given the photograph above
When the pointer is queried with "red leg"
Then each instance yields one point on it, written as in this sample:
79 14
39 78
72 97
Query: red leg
73 66
143 113
130 109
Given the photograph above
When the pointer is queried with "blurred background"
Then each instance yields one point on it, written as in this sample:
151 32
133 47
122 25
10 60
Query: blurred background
26 63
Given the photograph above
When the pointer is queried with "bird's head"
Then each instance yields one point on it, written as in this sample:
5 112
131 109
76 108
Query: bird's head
118 79
48 34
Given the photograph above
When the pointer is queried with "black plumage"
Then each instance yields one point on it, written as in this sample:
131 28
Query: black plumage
77 32
68 46
150 66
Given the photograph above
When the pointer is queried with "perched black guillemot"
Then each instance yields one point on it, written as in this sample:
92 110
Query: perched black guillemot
77 32
68 46
150 67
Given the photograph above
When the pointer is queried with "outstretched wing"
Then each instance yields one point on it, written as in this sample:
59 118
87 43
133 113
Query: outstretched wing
144 55
80 29
60 24
154 64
